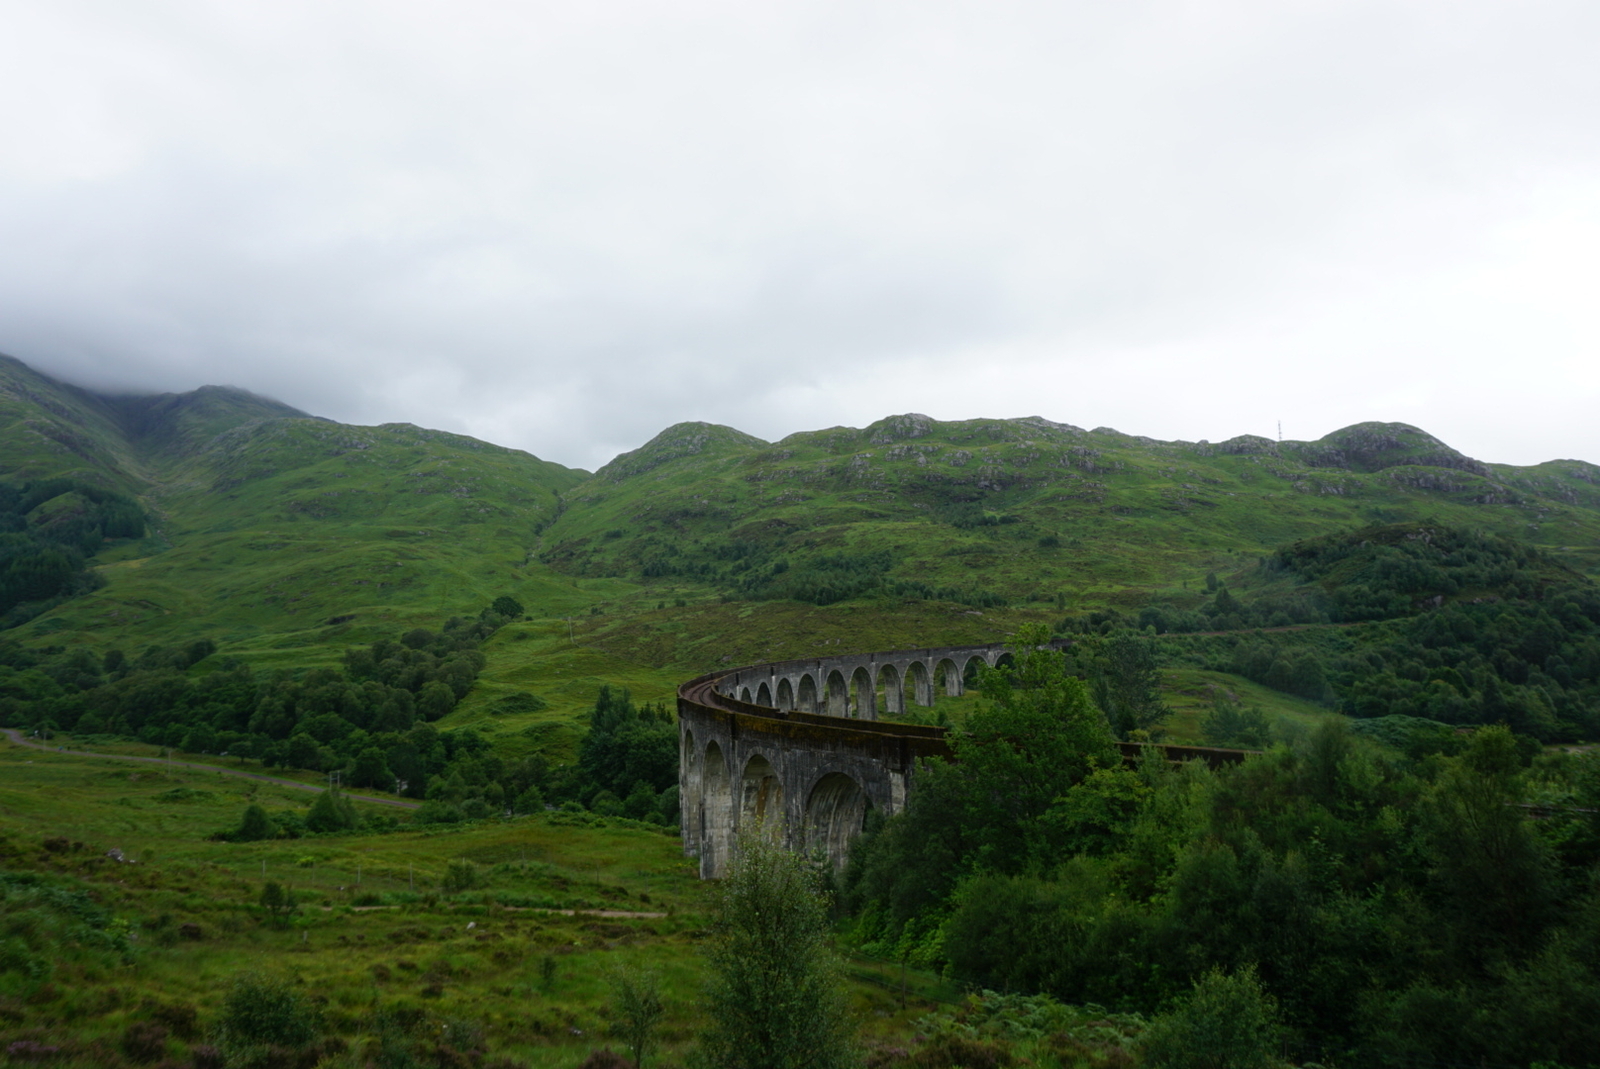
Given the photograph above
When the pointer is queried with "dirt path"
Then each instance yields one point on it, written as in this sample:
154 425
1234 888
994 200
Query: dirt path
17 738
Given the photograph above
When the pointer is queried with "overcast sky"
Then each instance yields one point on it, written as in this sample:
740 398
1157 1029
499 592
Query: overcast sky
564 226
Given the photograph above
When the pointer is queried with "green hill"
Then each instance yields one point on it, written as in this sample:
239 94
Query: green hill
285 538
265 523
1028 509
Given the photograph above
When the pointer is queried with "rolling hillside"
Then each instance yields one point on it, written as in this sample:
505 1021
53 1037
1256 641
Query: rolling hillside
286 538
1028 510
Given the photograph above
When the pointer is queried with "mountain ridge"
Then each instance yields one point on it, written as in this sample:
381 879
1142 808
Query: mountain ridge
269 521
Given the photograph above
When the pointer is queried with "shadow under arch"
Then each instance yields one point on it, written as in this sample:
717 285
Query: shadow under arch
893 688
836 810
838 696
761 798
806 700
863 697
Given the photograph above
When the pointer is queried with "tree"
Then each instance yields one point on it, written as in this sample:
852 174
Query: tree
460 875
775 1000
278 903
1226 1022
1494 870
304 752
255 826
1127 683
331 811
1034 735
1230 724
370 770
259 1015
507 606
434 700
626 744
636 1009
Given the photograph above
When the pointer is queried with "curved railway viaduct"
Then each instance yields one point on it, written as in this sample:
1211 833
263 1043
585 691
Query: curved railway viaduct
797 747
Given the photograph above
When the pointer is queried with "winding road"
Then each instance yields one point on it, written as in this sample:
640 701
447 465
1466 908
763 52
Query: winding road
18 739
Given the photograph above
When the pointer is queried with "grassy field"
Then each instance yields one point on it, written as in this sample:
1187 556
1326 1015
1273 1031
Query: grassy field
287 539
373 929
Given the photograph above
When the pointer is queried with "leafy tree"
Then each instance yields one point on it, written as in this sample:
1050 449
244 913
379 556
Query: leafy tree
1488 861
775 1000
277 903
331 811
1126 680
1035 733
370 770
1230 724
625 745
1226 1022
529 801
636 1010
304 753
507 606
262 1017
255 826
460 875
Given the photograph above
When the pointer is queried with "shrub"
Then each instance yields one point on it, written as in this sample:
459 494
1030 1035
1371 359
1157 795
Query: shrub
460 875
775 997
255 826
261 1014
1226 1022
436 811
331 811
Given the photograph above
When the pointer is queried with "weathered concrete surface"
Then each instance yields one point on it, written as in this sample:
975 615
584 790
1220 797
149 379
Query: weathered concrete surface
806 778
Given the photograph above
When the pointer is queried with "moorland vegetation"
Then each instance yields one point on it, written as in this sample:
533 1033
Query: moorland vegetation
1404 876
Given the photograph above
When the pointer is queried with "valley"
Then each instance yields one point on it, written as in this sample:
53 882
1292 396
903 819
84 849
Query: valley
485 647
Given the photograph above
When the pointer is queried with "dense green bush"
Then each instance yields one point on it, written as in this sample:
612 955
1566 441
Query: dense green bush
1394 908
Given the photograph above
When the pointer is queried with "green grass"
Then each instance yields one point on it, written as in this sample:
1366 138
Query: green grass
465 956
1189 693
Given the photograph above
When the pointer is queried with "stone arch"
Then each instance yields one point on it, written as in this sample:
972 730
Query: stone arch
970 668
716 813
947 675
744 695
894 690
806 698
836 809
921 683
838 696
863 696
785 694
761 798
764 695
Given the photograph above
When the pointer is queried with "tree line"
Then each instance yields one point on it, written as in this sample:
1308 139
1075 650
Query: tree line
48 529
1394 908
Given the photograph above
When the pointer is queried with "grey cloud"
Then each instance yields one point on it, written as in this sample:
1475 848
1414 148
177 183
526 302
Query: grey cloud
564 227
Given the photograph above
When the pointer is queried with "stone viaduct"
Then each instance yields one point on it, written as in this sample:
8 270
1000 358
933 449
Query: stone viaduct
796 747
